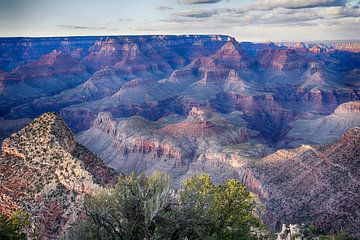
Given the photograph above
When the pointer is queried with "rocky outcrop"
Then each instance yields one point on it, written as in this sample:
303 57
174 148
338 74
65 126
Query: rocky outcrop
348 108
171 144
102 83
310 185
231 56
17 51
314 185
48 65
327 46
281 59
316 50
347 46
46 173
147 54
49 75
324 129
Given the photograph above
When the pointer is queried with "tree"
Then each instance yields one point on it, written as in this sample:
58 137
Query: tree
131 210
207 211
11 226
141 207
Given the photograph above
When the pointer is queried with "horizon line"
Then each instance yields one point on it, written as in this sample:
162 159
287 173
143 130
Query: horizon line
187 34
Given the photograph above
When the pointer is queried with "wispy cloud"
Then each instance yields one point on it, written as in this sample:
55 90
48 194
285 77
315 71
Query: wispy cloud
163 8
145 29
273 12
197 13
125 20
80 27
294 4
198 1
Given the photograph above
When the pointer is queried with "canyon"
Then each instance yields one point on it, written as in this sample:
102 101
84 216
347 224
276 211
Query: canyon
281 117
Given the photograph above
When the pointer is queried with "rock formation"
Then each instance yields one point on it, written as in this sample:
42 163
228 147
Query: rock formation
156 76
46 173
314 185
171 144
310 184
323 129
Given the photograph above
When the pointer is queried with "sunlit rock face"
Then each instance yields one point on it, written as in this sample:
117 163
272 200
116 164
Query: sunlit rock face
172 144
317 129
46 173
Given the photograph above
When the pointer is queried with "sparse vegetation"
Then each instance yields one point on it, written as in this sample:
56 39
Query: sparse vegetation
141 207
11 227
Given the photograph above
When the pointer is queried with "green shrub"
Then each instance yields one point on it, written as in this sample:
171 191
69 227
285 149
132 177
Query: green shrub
10 227
141 207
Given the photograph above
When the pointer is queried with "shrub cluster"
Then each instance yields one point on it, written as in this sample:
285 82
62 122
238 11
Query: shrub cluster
141 207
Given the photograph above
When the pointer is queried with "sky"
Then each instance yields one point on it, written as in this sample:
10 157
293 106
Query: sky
246 20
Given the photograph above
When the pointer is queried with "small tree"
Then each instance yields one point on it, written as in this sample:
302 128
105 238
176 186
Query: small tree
129 211
207 211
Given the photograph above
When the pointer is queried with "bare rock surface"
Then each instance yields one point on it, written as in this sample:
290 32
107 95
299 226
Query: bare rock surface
46 173
172 144
324 129
314 185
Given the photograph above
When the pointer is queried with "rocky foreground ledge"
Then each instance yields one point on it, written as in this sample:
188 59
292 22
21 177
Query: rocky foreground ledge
46 173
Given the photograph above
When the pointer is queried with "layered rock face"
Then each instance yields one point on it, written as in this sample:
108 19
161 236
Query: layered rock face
156 76
282 59
46 66
326 46
314 185
317 130
17 51
51 73
46 173
171 144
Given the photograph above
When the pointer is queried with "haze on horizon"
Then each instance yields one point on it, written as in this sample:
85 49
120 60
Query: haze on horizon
252 20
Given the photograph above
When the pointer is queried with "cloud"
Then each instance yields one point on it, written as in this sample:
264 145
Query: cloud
80 27
125 20
163 8
260 19
197 13
294 4
283 16
277 16
198 1
145 29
